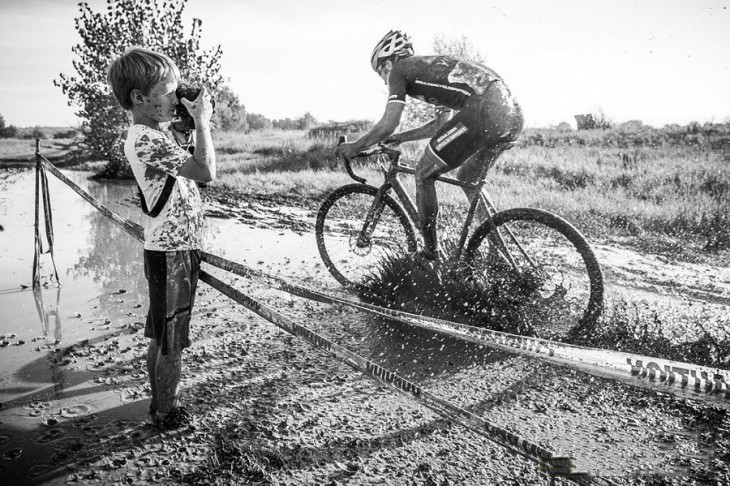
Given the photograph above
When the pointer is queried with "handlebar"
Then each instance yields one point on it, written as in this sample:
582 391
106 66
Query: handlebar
393 154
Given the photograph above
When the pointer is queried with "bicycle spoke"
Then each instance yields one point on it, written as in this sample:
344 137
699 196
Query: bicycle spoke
550 279
352 248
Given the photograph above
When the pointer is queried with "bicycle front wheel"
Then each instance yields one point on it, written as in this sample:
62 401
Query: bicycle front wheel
353 246
546 265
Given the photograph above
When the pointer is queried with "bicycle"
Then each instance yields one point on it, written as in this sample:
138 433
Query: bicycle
358 225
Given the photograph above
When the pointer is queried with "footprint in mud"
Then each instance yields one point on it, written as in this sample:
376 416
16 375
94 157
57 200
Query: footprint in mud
12 454
76 410
37 408
50 421
65 449
50 435
40 470
68 444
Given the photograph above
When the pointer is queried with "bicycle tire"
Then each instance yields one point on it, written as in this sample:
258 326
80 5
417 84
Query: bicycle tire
339 221
560 252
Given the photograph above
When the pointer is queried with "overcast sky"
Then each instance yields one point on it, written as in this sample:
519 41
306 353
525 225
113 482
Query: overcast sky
659 61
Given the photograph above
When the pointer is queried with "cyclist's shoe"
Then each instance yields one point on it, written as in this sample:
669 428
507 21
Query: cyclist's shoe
436 255
177 418
426 260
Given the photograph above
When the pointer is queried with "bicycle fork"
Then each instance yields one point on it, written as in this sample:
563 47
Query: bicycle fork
372 218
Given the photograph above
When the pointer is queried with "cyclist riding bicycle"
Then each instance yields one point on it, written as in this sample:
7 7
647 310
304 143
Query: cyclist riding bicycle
487 116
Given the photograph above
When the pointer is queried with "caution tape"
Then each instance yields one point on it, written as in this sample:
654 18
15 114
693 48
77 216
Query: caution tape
683 379
130 227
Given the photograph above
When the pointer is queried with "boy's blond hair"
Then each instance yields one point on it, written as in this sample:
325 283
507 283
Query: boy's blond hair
138 68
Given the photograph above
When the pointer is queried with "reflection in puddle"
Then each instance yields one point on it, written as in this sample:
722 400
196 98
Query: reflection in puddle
45 314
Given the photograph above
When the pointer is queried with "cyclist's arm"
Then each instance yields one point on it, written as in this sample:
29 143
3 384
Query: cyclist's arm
427 130
383 129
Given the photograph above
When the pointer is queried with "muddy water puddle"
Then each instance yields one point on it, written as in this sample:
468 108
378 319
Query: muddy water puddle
71 356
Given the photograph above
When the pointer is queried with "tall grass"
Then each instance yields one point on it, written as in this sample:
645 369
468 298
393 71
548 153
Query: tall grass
665 193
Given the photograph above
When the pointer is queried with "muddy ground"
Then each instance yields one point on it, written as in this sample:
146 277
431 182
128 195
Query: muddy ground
271 409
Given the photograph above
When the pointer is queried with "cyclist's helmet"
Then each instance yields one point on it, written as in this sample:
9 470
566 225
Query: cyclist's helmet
394 42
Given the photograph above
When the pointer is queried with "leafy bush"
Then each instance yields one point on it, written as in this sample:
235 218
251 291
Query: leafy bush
632 135
257 121
229 113
38 133
333 130
106 35
11 131
71 133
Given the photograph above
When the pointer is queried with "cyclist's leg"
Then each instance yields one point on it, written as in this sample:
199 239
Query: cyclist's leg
454 142
499 119
428 169
473 169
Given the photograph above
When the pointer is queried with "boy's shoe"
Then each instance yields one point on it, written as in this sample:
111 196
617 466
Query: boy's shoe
153 416
177 417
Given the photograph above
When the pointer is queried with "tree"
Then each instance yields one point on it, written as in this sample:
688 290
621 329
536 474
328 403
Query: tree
257 121
10 131
106 35
286 124
307 121
229 113
460 48
417 112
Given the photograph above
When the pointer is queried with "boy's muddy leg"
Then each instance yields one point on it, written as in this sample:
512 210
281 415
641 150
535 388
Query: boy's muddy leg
151 365
165 371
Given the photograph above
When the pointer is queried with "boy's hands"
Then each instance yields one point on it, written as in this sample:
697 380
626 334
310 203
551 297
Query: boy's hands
201 108
182 138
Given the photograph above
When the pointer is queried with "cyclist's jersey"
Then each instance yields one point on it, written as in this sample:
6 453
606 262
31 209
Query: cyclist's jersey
438 80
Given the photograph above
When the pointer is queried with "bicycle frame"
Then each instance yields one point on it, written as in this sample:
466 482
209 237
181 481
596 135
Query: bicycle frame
392 181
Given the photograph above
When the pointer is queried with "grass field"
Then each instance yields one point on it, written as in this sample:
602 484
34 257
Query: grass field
669 188
665 194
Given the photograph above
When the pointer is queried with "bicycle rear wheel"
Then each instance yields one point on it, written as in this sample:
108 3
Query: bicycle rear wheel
349 250
554 278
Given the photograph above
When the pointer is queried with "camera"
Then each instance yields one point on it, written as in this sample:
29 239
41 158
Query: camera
183 122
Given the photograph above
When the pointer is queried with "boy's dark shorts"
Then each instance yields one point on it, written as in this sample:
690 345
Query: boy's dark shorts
485 121
172 278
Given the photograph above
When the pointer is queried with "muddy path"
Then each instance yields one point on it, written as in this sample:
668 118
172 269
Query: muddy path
271 409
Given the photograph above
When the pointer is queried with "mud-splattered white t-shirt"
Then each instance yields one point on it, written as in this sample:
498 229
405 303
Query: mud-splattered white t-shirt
153 155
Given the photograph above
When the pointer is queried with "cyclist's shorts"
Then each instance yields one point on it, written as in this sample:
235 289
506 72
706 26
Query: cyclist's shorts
485 121
172 277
